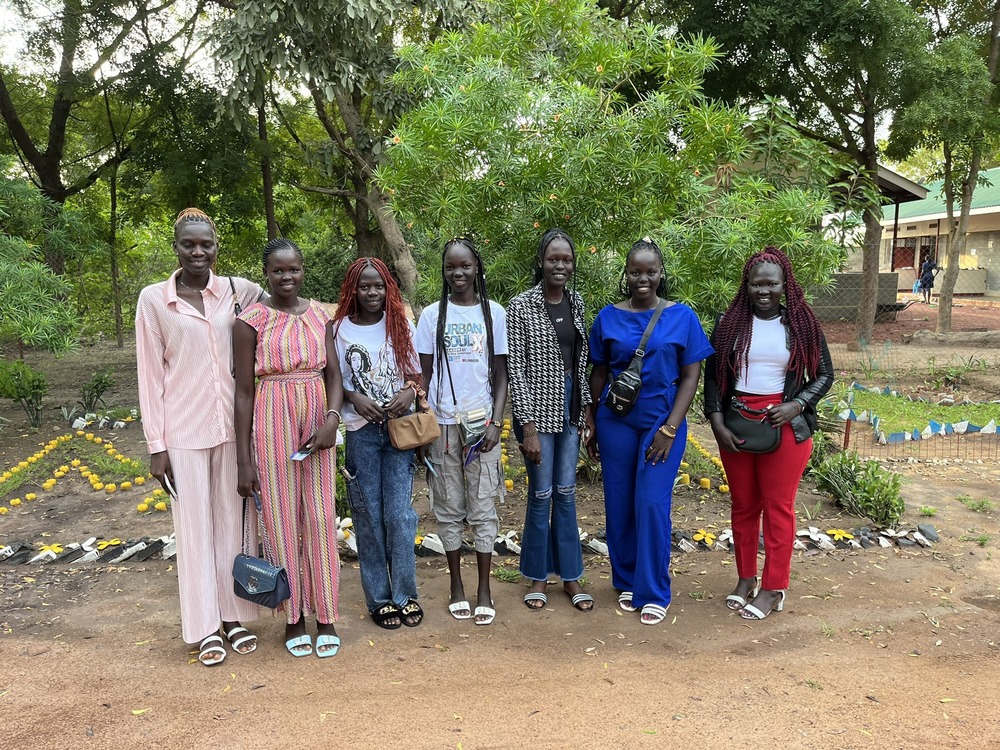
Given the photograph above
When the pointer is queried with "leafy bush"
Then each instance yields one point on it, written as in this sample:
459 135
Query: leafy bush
92 392
823 448
20 383
862 488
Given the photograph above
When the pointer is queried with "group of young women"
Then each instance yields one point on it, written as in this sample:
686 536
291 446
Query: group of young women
233 381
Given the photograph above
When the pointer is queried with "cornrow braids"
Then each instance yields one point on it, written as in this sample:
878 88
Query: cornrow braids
396 326
734 331
189 215
644 245
555 233
279 243
484 304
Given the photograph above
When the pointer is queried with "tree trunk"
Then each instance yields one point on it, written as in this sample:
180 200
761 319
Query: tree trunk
865 322
399 251
266 174
116 284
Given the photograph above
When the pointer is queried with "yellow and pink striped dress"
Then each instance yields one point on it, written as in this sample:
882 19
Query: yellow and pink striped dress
298 497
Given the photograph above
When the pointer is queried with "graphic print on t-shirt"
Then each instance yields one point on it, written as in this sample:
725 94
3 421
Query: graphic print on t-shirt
465 342
374 379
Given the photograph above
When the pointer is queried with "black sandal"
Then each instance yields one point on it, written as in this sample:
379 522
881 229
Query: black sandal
384 614
412 614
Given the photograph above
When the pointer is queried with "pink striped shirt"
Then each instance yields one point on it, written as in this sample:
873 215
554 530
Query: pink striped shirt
186 386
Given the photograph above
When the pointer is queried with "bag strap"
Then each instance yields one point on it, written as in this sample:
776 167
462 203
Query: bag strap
237 307
261 527
640 351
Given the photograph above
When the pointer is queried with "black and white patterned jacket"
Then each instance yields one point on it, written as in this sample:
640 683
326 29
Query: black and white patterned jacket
535 364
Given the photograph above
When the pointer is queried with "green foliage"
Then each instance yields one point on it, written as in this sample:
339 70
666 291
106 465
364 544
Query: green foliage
928 511
505 574
977 506
823 448
92 392
34 311
862 488
899 414
552 114
20 383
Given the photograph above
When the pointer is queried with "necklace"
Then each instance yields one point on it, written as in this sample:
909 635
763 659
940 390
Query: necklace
191 288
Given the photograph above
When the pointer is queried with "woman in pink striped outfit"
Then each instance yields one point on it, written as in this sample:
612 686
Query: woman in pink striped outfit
287 342
183 339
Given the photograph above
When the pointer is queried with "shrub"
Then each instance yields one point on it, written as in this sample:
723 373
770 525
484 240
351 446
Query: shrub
823 448
863 488
20 383
93 391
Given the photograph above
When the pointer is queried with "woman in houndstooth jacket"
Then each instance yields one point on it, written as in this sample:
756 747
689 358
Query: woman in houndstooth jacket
545 327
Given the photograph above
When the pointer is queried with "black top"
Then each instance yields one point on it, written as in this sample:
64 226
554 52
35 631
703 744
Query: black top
562 320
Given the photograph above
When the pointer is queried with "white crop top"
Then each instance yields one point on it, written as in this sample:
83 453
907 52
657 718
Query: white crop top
767 360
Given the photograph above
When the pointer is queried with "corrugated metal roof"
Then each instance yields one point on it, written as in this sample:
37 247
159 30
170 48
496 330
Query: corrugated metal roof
985 196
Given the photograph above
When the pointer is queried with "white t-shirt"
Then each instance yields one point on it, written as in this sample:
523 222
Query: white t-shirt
767 360
465 343
368 364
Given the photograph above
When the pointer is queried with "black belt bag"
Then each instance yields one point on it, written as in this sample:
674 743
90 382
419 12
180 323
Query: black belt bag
624 390
751 426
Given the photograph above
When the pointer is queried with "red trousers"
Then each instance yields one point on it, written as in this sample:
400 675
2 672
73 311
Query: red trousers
764 484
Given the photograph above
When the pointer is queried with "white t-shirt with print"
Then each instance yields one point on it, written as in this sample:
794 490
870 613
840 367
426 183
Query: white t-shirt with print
466 346
368 364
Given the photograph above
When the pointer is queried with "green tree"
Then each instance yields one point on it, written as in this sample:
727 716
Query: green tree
843 67
957 111
552 114
34 306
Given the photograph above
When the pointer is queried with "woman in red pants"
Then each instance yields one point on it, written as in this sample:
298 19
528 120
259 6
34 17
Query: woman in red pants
772 365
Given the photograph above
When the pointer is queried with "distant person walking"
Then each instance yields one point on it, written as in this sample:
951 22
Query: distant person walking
927 273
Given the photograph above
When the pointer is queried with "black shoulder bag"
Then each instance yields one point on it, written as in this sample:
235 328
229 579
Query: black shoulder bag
624 390
258 580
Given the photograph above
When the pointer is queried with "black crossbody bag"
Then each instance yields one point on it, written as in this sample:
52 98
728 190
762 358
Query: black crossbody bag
624 390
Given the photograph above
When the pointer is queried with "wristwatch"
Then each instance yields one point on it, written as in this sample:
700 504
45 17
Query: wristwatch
497 423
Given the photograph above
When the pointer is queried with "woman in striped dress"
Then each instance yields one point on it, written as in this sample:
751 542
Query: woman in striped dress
288 344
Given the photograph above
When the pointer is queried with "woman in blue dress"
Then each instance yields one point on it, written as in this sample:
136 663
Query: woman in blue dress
641 452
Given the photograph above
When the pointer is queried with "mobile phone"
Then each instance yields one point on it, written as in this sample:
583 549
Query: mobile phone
429 466
305 450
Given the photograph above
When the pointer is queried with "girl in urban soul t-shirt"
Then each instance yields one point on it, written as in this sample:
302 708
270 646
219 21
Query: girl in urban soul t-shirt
462 343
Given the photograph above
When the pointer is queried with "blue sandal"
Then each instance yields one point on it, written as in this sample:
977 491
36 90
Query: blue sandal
329 642
295 645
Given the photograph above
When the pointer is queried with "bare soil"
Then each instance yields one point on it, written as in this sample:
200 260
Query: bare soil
876 648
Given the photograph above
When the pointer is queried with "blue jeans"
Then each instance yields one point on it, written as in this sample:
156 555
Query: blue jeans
380 493
551 539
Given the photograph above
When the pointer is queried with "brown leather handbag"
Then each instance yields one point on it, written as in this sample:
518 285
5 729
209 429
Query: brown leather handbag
416 429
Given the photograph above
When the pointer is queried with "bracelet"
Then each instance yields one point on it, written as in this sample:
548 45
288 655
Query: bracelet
801 403
497 423
336 413
668 430
530 432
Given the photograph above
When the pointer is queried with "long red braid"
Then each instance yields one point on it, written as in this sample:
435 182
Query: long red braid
733 332
397 324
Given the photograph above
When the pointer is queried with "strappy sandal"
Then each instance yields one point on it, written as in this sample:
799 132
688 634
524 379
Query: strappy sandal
736 602
535 596
654 612
385 613
412 614
212 646
750 612
625 601
582 599
237 639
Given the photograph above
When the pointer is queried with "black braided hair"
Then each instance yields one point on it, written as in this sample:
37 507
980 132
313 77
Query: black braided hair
279 243
555 233
647 245
484 304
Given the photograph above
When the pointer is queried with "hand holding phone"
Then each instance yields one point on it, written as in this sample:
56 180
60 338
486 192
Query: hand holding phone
305 450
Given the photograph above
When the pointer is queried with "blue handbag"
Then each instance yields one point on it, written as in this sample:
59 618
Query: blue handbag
257 580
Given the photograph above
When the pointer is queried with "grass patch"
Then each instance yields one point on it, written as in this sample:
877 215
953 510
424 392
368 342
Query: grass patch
901 415
505 574
981 539
978 506
928 511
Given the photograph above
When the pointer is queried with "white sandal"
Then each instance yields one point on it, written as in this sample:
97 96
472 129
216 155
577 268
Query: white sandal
654 611
739 601
751 612
625 601
488 612
210 646
462 606
237 638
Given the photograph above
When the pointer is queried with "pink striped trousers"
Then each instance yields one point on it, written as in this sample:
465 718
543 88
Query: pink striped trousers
298 497
208 524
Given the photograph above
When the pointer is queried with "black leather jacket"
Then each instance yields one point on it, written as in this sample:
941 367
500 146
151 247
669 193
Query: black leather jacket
719 395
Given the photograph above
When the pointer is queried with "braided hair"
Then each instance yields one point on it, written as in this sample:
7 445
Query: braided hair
191 215
550 235
733 332
396 326
279 243
484 304
644 245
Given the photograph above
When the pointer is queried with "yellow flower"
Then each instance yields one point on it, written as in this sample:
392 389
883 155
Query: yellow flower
85 474
705 483
89 436
98 486
160 505
724 488
140 481
159 492
3 511
59 474
75 462
126 485
509 484
98 440
504 460
142 507
684 464
839 535
110 488
79 433
109 446
685 479
84 468
30 496
705 536
15 502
